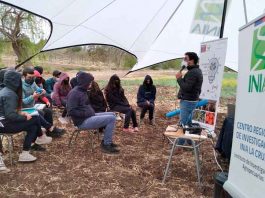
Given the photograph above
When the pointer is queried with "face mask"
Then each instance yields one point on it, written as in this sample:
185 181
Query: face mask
184 63
117 83
66 82
29 81
38 80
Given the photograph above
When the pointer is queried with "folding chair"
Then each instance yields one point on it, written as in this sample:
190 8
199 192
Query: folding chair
139 109
91 134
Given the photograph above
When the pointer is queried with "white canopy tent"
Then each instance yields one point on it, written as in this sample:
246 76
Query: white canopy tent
153 31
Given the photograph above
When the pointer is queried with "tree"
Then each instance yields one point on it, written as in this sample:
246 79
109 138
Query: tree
22 29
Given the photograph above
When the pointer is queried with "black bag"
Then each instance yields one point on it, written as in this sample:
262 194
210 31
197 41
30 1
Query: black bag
193 128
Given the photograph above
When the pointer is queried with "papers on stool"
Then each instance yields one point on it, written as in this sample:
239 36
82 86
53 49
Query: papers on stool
174 131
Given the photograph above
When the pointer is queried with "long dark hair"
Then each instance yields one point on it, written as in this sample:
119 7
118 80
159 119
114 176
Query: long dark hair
94 89
19 94
114 83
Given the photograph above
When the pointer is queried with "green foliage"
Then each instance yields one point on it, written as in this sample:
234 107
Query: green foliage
128 61
23 31
172 64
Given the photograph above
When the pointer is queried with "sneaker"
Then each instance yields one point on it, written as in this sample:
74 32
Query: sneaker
64 120
58 130
118 117
135 129
44 139
55 133
109 149
37 147
25 156
128 130
3 168
112 144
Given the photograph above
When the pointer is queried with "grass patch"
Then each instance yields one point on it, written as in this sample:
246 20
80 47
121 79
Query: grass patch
229 83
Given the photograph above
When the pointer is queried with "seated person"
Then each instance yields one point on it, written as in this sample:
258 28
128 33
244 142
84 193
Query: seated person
41 80
50 82
16 121
2 73
60 92
73 81
31 95
45 99
96 98
84 116
118 102
146 98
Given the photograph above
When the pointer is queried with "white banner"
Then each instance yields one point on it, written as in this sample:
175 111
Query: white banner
208 17
247 167
212 60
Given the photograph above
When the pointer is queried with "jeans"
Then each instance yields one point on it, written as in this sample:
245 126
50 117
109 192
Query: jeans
129 113
105 119
32 127
186 114
145 107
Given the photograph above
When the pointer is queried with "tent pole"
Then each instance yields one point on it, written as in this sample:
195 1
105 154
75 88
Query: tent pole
245 11
223 20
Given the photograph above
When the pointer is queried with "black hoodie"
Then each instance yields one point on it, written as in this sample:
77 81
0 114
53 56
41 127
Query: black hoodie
116 96
146 92
2 73
78 106
191 84
9 97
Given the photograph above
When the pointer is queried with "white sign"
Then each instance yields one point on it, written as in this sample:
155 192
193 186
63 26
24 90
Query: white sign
208 17
212 60
247 167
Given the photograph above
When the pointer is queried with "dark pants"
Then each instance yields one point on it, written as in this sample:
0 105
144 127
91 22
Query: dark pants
65 110
44 123
129 113
145 107
32 127
46 113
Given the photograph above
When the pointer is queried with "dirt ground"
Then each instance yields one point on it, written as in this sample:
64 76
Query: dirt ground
136 172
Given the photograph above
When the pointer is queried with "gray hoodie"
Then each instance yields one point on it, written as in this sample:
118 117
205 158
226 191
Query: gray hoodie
9 97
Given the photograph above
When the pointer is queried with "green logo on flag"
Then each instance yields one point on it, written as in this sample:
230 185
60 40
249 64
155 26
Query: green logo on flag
258 49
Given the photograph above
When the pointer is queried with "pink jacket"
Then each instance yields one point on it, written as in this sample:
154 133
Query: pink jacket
60 91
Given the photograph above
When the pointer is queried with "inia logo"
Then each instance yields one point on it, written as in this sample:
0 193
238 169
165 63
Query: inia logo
257 78
208 16
258 46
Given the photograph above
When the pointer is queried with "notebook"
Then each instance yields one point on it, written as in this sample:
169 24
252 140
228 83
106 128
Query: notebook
31 111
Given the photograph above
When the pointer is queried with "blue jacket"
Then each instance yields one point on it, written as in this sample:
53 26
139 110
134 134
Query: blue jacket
78 106
146 92
27 94
49 84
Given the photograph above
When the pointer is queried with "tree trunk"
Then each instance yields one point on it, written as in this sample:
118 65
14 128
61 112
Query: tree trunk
21 53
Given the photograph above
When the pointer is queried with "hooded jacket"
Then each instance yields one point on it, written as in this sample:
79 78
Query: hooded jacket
9 97
97 101
60 92
2 73
146 92
73 81
190 85
116 96
78 106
